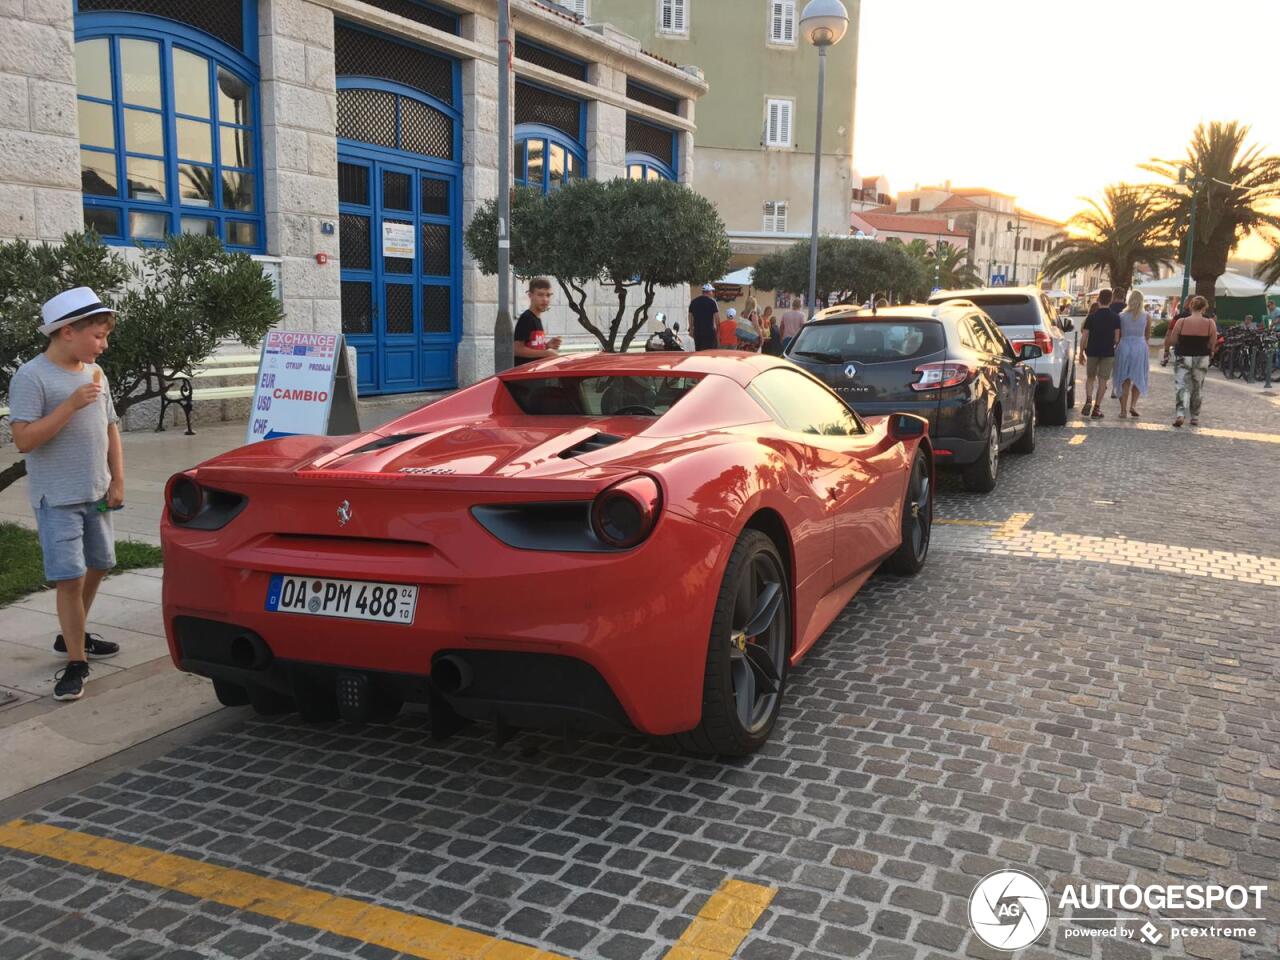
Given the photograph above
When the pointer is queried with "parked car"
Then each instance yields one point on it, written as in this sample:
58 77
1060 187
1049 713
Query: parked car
949 364
629 541
1025 315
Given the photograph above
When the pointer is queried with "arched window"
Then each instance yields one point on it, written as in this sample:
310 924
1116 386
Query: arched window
651 151
168 132
549 131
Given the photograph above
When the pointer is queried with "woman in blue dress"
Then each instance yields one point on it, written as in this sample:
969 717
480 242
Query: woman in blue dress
1133 361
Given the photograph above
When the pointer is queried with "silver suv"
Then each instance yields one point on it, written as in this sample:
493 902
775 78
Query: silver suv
1025 315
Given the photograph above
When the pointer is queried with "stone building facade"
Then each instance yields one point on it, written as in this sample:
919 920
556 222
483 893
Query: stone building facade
344 143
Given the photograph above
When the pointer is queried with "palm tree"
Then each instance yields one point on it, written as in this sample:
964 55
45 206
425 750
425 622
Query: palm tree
1269 270
1116 235
1237 185
951 268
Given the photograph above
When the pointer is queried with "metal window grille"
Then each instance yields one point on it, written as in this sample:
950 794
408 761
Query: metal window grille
535 105
435 196
436 310
368 116
782 21
357 307
353 241
361 54
428 16
777 132
643 138
550 60
647 96
353 183
399 308
221 18
397 190
425 130
435 249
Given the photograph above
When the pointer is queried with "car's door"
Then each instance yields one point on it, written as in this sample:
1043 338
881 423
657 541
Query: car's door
850 471
1008 377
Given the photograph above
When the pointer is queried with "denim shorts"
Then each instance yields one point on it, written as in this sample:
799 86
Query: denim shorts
74 537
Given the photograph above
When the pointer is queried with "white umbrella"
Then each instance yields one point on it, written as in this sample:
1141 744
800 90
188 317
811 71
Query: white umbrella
1230 284
739 278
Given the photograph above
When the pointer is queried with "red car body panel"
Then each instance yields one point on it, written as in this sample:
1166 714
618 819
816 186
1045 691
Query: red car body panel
640 617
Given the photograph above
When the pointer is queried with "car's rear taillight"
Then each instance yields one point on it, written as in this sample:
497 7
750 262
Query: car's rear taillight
184 497
1044 342
940 375
624 514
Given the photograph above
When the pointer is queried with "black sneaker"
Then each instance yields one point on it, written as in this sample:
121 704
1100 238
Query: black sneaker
70 681
95 648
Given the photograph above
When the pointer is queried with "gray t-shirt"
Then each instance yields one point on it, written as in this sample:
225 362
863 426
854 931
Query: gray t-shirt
71 466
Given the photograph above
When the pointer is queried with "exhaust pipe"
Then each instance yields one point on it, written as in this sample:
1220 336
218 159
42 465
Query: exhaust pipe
451 674
249 652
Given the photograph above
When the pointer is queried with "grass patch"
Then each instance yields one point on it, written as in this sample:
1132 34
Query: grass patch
22 567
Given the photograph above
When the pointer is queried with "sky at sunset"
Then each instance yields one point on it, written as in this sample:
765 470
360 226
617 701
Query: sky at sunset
1053 101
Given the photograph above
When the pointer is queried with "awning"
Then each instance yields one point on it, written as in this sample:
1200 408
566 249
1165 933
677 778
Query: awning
739 278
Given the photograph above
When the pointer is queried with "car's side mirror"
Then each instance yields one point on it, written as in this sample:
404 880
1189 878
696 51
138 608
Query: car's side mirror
906 426
1029 351
1067 324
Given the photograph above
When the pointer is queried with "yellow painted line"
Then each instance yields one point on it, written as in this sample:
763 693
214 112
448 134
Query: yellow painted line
1013 526
366 922
972 523
714 934
723 922
1078 439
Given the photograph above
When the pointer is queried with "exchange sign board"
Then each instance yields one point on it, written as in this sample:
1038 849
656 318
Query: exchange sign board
304 385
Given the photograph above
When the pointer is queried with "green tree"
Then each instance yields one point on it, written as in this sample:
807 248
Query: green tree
1239 186
849 270
1269 270
943 265
628 235
1116 235
172 308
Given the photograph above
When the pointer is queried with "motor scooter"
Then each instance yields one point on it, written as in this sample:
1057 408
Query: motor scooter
665 339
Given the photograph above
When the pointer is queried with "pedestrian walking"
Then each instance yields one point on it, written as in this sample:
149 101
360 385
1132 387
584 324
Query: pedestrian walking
1097 352
531 341
1193 340
1133 358
728 330
771 339
791 322
704 317
65 423
1273 315
749 332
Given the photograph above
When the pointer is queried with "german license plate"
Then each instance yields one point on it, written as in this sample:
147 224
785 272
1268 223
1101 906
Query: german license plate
349 599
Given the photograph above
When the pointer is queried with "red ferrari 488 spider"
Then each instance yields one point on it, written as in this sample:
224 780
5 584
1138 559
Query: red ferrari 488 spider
637 542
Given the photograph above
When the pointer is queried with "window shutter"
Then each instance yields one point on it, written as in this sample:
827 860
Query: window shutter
677 15
784 123
667 14
789 22
577 6
780 216
776 17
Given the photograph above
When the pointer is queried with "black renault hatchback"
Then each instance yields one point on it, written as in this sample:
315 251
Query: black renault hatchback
948 363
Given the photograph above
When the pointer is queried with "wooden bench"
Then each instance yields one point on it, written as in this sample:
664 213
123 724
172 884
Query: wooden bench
181 389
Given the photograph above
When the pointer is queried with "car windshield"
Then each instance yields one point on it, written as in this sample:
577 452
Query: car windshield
1009 310
647 396
868 341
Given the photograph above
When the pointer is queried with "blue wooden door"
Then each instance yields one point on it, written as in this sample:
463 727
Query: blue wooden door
401 296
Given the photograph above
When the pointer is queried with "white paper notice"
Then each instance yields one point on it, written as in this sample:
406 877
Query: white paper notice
397 240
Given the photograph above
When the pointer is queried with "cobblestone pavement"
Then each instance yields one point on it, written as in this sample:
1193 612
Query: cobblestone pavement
1082 684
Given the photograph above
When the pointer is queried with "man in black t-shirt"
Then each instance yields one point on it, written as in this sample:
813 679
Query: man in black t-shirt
1098 342
531 340
704 315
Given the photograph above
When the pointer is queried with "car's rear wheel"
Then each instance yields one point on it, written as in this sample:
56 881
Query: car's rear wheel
917 521
230 694
1054 413
980 476
747 652
1027 442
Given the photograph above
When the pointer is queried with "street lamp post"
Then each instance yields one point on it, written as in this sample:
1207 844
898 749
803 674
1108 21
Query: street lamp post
1017 234
823 23
1191 234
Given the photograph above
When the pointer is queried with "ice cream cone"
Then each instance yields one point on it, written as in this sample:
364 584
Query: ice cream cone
97 376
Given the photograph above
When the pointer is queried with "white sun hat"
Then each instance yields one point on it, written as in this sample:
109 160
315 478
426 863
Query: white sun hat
68 307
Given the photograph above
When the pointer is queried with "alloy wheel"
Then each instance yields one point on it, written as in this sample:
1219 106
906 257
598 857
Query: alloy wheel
757 642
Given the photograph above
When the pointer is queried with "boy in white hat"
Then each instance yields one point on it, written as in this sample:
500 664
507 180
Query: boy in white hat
65 423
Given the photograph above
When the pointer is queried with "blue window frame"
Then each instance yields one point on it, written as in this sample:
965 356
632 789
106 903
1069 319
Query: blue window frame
168 132
641 166
545 159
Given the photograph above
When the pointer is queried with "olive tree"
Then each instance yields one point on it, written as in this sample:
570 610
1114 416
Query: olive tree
849 270
629 236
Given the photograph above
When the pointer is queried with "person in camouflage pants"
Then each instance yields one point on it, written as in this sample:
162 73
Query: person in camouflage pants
1188 383
1194 338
